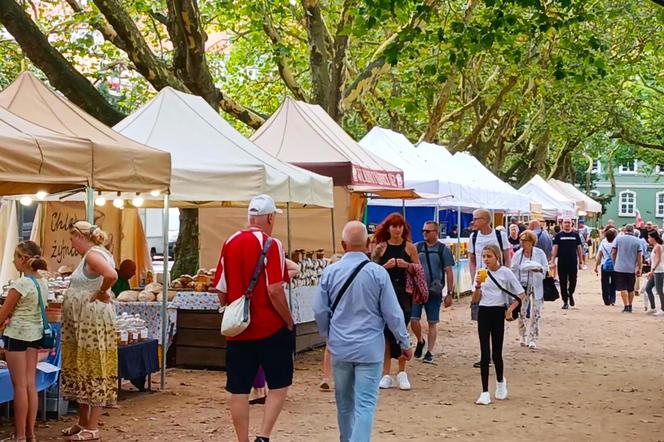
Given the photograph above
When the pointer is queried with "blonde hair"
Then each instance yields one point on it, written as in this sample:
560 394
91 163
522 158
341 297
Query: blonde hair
32 251
493 248
90 231
528 235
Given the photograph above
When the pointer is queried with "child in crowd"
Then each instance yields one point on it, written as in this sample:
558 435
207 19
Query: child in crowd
21 314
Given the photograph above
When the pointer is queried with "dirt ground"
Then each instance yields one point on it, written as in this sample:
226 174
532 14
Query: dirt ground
597 375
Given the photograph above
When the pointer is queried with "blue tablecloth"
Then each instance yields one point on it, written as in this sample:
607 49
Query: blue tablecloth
44 380
137 361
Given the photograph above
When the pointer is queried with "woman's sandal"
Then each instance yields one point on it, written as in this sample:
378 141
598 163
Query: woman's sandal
13 438
85 435
74 429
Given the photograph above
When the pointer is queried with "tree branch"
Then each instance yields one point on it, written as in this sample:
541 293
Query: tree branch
100 25
339 73
60 72
435 117
628 139
139 52
283 63
320 51
378 66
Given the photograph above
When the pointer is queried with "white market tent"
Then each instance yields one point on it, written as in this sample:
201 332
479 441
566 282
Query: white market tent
503 195
427 175
583 201
554 204
213 162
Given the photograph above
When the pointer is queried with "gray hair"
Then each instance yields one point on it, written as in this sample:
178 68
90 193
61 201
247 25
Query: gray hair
629 228
354 233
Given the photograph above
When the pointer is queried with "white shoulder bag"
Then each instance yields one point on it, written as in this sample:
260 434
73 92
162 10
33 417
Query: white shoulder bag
237 314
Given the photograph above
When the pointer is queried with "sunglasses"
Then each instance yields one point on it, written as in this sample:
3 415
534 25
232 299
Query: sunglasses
427 231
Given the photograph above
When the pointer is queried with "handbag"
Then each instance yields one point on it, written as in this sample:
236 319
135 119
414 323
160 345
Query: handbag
237 316
516 311
550 289
48 336
474 310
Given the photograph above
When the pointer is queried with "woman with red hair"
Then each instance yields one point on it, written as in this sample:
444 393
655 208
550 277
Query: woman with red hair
397 254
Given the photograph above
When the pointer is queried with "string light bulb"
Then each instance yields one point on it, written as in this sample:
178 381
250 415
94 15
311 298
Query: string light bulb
155 193
25 201
137 201
41 195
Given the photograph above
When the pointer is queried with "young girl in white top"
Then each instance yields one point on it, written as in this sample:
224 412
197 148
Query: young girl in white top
23 334
656 275
492 313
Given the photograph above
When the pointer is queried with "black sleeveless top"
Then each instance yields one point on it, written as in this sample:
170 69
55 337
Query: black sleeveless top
397 275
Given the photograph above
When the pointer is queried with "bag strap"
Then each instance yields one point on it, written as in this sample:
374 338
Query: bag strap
259 268
501 287
426 254
347 284
40 300
499 237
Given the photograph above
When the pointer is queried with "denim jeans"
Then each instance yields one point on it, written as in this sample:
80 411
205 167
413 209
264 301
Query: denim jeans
356 392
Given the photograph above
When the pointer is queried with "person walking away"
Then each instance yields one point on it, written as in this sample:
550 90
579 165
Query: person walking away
268 341
89 348
544 242
604 260
491 316
584 233
354 303
656 275
513 239
530 266
567 247
482 236
23 335
397 254
438 263
627 265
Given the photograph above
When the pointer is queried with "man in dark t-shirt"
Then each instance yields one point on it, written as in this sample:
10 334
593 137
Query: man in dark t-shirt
567 247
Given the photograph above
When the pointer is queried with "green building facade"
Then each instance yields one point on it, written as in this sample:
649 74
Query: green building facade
638 187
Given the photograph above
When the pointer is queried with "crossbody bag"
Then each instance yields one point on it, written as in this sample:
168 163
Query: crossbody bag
48 335
517 310
237 316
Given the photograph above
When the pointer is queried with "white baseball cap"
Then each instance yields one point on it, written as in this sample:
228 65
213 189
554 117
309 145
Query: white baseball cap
262 205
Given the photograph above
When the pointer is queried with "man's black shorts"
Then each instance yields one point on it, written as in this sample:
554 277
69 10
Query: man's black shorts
624 281
12 344
274 354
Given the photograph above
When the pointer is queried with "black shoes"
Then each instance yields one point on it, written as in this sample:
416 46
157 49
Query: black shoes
419 348
571 301
428 358
565 306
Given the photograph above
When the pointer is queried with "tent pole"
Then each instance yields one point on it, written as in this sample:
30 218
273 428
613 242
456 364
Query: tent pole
19 218
457 286
288 230
164 296
334 233
90 204
403 208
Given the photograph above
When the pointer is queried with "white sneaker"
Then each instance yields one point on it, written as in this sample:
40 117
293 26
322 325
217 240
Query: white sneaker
402 380
501 390
659 313
386 382
651 311
484 399
532 345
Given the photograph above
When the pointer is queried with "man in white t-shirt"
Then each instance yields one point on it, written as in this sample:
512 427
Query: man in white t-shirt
483 236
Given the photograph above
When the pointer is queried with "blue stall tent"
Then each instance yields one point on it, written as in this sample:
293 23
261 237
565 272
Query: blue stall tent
46 376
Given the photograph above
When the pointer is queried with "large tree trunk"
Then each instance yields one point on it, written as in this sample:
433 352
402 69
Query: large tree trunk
187 245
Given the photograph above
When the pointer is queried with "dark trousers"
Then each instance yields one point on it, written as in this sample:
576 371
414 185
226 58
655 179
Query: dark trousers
491 330
567 275
608 288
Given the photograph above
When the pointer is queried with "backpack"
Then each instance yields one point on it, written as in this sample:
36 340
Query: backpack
499 237
608 262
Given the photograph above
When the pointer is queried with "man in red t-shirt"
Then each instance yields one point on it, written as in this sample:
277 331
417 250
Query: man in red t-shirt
268 341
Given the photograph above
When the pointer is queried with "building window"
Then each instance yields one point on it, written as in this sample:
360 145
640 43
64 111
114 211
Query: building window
627 203
597 167
659 205
659 169
628 169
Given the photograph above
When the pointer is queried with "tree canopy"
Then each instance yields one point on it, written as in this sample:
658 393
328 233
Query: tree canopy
527 86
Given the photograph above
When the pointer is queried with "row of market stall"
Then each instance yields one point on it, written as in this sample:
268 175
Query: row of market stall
176 151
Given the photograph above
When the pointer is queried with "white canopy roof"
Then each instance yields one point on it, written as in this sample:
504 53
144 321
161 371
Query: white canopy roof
503 196
431 175
554 204
211 161
583 201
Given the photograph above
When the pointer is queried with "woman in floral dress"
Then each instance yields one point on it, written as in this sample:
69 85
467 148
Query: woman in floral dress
89 349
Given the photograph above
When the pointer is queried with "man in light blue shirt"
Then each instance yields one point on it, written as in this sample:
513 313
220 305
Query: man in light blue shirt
544 241
354 331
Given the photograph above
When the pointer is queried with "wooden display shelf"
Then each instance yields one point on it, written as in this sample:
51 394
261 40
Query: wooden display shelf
199 344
